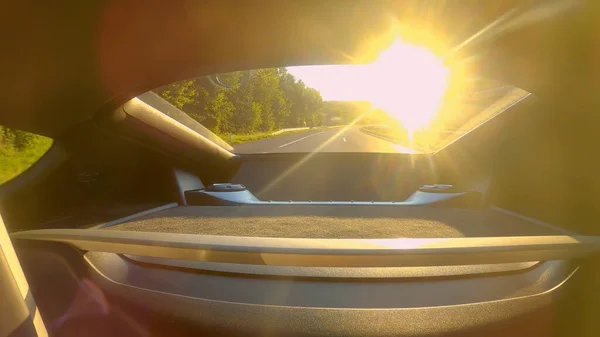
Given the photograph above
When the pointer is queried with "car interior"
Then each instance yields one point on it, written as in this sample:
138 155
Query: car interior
134 224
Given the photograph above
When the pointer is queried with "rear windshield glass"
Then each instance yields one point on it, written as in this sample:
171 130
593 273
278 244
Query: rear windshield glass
402 102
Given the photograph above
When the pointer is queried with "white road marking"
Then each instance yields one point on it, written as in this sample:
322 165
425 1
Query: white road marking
297 140
344 138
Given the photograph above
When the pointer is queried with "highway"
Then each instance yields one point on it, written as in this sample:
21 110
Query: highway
351 139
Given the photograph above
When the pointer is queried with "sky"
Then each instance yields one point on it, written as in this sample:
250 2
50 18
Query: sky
400 70
335 82
406 81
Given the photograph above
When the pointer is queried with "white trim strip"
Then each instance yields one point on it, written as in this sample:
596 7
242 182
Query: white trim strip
324 252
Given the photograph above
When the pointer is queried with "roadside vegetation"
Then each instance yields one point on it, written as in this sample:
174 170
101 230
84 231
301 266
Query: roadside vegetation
18 151
270 100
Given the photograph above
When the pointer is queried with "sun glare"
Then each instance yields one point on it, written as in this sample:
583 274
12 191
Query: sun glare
408 82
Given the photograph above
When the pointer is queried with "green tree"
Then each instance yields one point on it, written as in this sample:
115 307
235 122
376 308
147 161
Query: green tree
181 93
271 99
219 112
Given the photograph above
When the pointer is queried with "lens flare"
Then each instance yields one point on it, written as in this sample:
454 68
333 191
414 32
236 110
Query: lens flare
409 84
406 81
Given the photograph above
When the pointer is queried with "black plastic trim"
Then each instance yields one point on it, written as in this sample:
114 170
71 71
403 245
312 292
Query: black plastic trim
139 122
236 318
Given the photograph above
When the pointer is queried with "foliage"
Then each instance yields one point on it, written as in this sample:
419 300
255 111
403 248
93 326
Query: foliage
18 151
181 93
219 111
271 99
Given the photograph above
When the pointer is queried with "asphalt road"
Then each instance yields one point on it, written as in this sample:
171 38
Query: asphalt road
351 139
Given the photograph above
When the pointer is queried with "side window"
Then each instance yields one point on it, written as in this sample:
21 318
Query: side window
18 151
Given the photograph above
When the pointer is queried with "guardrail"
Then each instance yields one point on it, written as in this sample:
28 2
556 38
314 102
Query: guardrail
288 130
305 128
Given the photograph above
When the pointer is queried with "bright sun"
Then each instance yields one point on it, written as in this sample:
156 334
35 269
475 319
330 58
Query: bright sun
406 81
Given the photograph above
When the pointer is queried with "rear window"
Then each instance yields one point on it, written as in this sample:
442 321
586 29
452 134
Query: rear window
19 150
407 100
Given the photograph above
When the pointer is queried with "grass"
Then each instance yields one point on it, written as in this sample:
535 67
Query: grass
14 162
